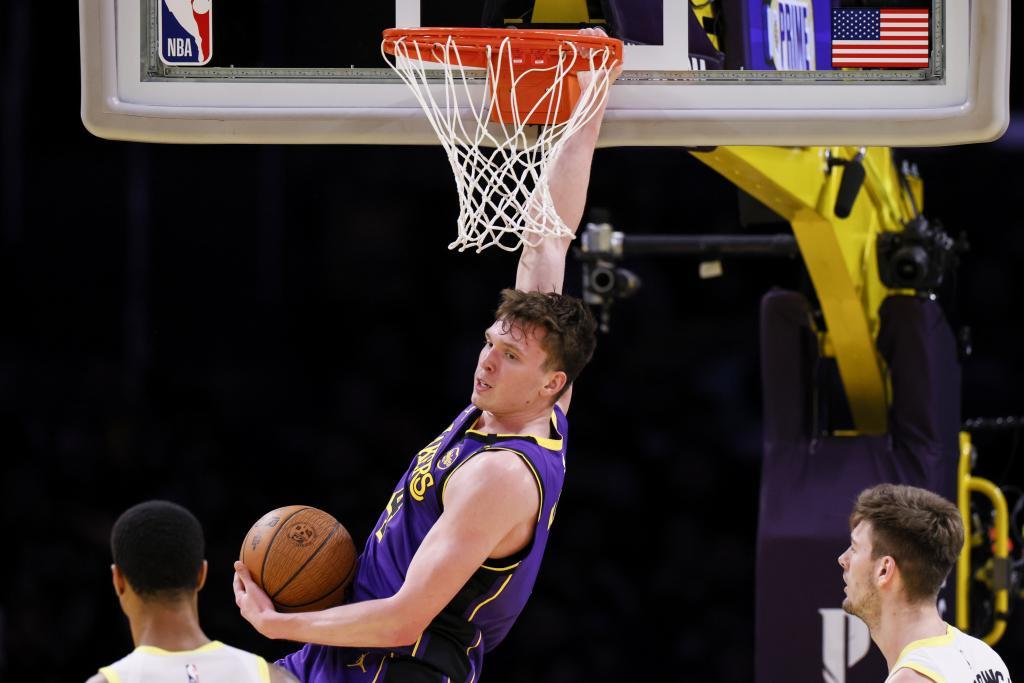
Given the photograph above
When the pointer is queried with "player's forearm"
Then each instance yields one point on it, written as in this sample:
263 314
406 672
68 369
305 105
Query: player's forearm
373 623
542 268
570 176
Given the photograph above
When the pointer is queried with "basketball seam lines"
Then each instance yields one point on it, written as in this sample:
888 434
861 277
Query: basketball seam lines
339 585
270 546
303 566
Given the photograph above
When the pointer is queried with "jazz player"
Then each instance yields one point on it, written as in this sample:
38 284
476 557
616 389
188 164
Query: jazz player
903 544
454 555
158 572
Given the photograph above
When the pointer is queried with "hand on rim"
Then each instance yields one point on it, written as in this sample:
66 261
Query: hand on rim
585 77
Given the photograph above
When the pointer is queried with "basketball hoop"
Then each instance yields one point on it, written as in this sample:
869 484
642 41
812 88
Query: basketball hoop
504 198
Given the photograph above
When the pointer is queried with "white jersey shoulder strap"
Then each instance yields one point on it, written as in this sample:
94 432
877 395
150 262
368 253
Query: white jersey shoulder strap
954 657
214 662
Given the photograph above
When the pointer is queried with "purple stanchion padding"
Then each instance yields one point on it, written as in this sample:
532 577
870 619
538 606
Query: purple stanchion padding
810 482
636 21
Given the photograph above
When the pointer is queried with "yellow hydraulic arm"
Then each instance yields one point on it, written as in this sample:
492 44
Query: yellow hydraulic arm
999 569
801 185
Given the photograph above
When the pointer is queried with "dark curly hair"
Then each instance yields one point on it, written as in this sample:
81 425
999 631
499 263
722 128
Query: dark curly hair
571 329
159 547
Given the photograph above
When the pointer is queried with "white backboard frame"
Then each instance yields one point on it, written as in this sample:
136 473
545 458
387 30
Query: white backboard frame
970 103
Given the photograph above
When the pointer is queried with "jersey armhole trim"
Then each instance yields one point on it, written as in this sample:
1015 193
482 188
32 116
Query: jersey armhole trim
110 674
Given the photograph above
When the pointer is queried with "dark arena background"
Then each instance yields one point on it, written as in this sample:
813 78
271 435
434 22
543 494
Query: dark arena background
238 328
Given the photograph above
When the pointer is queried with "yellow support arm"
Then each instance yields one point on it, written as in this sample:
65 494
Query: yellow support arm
798 184
968 484
560 12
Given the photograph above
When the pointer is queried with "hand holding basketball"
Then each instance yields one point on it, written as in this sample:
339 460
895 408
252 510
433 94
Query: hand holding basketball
252 602
294 559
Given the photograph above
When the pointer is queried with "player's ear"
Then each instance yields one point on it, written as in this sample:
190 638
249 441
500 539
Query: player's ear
555 382
886 571
117 578
201 581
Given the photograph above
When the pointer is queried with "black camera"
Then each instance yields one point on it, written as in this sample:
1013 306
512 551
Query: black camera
916 258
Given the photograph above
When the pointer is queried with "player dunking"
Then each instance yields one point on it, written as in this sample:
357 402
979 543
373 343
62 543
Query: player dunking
158 572
903 544
454 556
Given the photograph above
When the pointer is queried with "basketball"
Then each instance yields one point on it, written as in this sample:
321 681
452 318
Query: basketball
302 557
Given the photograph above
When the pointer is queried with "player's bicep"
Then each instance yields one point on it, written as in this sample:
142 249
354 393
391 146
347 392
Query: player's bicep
483 502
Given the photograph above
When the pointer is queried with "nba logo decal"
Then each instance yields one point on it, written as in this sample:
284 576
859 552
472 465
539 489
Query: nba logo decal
192 672
186 31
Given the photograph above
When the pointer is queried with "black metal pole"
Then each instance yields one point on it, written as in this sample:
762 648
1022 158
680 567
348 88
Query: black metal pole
738 245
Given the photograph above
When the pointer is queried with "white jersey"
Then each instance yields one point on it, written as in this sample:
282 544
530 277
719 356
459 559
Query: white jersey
953 658
214 662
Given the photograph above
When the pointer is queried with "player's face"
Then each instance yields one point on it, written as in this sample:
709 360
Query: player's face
510 376
859 574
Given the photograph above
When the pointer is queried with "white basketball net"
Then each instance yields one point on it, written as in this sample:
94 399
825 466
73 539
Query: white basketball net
501 170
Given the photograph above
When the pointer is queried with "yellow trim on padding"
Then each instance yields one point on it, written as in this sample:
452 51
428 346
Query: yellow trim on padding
110 675
263 668
923 670
152 650
550 444
417 645
934 641
507 579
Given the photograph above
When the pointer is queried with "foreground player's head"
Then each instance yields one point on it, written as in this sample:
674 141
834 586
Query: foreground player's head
904 542
158 552
537 346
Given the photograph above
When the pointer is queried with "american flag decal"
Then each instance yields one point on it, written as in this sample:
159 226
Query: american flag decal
886 38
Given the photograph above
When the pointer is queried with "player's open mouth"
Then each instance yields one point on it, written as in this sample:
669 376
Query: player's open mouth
482 385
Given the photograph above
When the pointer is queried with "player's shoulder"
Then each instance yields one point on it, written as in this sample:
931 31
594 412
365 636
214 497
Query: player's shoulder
495 477
495 466
281 675
97 678
908 675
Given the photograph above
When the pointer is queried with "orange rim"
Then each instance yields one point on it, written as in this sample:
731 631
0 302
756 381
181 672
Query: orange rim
473 43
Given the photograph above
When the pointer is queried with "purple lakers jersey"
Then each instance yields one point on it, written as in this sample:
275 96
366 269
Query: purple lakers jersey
483 611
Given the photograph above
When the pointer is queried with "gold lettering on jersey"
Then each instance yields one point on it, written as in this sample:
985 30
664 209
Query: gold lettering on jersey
393 506
421 478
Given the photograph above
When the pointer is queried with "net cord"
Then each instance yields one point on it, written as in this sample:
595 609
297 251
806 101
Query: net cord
501 176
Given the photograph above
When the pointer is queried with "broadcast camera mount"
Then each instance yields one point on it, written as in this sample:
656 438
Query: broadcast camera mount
602 247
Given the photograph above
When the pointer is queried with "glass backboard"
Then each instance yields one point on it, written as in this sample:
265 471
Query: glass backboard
772 72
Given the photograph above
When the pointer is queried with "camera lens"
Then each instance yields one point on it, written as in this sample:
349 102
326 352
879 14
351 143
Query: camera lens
602 280
910 264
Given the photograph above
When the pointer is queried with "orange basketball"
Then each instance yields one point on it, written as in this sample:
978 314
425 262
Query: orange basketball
302 557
